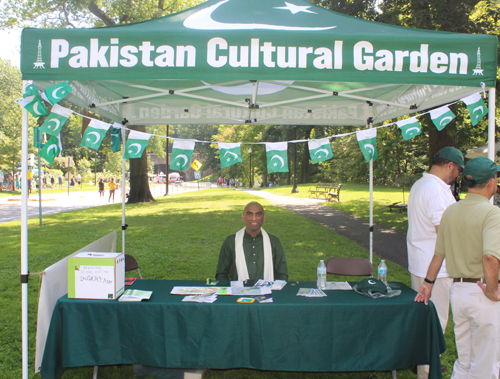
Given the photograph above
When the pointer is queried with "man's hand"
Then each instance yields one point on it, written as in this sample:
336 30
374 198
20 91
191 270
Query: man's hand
493 295
424 293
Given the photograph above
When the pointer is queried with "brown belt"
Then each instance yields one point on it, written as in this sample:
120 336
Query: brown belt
468 280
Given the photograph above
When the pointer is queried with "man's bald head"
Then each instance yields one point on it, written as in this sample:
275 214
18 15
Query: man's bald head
253 215
253 204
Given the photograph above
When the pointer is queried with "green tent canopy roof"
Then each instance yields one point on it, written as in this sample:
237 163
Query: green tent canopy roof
259 61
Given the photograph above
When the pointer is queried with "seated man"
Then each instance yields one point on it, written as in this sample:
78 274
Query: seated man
251 253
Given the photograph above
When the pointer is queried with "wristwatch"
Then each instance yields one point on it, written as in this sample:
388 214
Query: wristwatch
429 281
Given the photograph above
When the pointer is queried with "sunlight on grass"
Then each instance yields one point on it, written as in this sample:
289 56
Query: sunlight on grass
176 237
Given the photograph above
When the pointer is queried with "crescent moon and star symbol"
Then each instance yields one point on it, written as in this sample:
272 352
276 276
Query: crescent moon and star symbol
322 151
235 156
280 159
247 88
35 108
371 281
479 108
54 93
97 135
410 132
57 124
370 147
202 20
52 147
184 157
139 147
447 119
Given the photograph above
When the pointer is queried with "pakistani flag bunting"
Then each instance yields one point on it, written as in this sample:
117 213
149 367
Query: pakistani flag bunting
34 105
51 149
230 153
476 106
55 121
442 117
57 92
136 144
367 140
30 90
320 150
116 137
94 134
409 127
277 159
182 150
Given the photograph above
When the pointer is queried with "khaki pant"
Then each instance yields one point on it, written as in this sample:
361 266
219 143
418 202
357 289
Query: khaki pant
477 332
441 299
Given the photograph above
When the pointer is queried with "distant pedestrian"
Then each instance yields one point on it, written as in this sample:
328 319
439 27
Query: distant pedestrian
112 188
52 181
60 181
101 189
1 181
79 180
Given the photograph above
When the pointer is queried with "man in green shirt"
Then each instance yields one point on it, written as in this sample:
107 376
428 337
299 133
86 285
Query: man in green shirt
251 253
469 239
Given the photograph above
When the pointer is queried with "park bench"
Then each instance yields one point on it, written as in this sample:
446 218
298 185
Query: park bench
328 191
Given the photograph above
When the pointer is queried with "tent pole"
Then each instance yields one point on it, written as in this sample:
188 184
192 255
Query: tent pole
124 191
491 126
369 125
24 240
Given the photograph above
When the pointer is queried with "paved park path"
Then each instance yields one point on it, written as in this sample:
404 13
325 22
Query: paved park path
387 242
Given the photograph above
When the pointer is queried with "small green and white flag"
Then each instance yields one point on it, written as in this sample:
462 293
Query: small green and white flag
34 105
94 134
55 121
409 127
476 106
182 151
57 92
136 144
39 139
277 159
30 90
367 140
320 150
116 137
51 149
230 153
442 117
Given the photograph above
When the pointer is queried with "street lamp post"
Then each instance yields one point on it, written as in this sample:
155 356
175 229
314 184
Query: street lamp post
295 189
250 154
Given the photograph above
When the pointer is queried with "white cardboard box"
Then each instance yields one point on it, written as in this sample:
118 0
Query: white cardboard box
94 275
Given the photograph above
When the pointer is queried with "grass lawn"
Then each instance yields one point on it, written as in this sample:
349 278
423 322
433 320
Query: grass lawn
167 237
355 199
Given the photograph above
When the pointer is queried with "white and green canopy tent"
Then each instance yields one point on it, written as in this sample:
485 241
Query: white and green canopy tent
257 62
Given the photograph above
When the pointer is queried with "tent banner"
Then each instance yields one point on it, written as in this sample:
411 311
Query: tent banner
56 119
51 149
260 39
230 153
277 157
476 106
116 137
320 150
94 134
367 140
57 92
409 127
442 117
136 144
182 151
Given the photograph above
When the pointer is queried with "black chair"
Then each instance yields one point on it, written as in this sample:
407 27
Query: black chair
131 264
349 266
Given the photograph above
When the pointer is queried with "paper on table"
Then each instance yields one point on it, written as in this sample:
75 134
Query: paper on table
201 298
275 286
201 291
135 295
250 291
337 286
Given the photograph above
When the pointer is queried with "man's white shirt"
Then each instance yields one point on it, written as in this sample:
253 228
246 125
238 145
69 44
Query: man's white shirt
429 198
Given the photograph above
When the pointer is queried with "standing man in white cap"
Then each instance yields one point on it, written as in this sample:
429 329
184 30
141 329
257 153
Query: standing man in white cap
469 239
429 198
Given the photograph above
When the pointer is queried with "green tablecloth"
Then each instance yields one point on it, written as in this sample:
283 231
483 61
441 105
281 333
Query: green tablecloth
341 332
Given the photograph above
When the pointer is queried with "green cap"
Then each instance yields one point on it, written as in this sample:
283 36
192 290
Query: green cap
371 285
480 170
452 154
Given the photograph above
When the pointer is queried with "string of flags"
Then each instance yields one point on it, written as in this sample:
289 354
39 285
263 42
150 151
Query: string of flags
230 153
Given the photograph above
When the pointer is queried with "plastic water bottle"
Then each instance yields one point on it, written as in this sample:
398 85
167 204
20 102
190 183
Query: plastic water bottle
382 272
321 275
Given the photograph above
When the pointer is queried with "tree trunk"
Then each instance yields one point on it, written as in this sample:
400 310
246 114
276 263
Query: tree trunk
440 139
305 156
139 184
